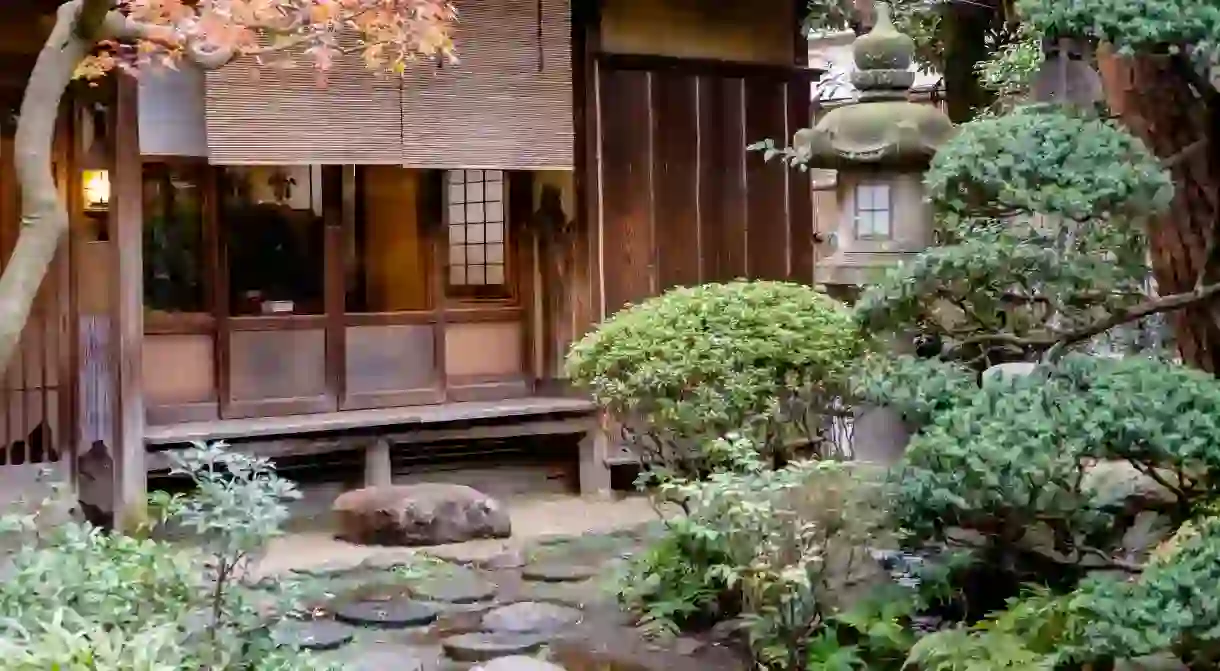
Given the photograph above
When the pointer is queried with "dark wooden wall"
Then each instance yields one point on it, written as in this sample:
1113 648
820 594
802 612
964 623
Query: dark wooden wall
681 200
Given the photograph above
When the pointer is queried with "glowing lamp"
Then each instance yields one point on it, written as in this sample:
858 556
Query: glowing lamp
96 187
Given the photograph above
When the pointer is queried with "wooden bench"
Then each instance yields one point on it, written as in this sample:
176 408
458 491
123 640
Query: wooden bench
376 432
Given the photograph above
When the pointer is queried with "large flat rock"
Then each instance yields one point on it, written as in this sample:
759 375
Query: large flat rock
419 515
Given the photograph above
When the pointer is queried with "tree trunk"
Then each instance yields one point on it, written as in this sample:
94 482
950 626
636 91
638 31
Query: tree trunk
44 217
1155 99
966 27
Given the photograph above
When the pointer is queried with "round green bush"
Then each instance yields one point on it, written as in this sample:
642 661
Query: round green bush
711 358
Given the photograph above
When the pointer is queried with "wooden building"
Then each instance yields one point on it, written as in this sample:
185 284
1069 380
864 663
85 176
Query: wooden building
375 261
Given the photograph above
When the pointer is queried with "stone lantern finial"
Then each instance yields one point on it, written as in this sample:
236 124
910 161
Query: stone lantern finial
883 58
883 126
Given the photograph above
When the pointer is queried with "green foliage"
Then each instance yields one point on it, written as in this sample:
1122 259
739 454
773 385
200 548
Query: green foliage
919 389
80 599
1035 633
1041 160
699 362
1167 612
1170 608
671 585
1012 65
1011 286
1132 25
1041 217
788 547
1044 469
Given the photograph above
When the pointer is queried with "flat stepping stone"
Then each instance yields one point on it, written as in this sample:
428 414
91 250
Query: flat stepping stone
391 614
557 572
508 559
531 617
459 586
312 634
518 663
485 646
381 656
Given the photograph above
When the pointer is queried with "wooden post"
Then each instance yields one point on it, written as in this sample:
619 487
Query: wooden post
594 469
127 316
378 471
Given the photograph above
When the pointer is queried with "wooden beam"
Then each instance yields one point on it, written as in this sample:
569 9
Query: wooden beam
127 313
308 446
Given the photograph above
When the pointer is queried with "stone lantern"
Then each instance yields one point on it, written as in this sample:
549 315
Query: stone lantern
880 146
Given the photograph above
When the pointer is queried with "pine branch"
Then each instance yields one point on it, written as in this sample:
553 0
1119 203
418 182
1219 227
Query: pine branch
1149 308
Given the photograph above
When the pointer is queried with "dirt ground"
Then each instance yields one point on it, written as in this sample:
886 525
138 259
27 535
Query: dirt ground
534 518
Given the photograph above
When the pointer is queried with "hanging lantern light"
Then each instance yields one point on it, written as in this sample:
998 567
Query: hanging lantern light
1066 77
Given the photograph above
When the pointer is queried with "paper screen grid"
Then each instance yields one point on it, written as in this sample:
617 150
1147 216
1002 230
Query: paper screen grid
474 200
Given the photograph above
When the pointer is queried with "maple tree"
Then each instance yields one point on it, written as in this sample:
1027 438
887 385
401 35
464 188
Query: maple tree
93 37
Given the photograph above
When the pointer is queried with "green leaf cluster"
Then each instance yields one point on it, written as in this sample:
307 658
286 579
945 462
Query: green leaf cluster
1043 160
1172 607
1132 25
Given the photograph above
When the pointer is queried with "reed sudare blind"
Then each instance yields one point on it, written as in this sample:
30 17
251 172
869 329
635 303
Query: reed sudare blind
506 104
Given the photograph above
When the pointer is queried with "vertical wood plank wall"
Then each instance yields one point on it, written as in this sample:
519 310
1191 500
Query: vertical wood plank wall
681 200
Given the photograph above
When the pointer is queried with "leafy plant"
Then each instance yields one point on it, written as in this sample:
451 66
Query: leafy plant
697 363
787 547
80 599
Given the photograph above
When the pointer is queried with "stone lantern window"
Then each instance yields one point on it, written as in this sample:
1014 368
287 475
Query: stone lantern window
880 147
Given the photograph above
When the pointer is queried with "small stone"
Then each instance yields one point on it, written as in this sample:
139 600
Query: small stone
687 646
484 646
456 586
575 594
312 634
728 630
557 573
517 663
531 617
329 568
385 562
505 560
390 614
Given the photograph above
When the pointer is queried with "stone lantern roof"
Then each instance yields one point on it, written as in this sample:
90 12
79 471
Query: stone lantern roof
883 127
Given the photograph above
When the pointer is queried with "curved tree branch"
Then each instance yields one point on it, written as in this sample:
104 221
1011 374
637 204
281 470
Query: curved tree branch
44 217
1060 341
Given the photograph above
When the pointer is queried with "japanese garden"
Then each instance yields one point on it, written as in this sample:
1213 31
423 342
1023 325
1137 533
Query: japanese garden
1034 320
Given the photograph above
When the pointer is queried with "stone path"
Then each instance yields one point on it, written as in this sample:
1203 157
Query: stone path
547 606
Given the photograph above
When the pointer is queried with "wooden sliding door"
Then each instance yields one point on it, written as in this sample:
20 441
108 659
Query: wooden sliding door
391 349
274 340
